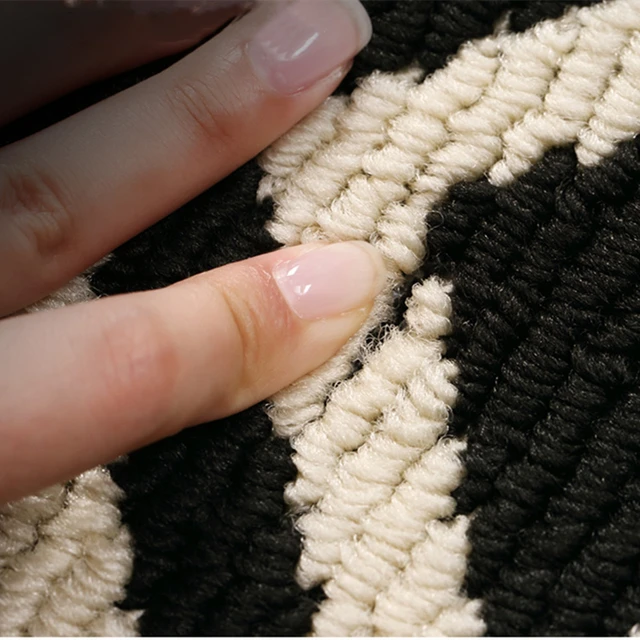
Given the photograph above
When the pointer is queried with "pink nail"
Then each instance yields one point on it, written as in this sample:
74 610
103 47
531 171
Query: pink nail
331 280
306 40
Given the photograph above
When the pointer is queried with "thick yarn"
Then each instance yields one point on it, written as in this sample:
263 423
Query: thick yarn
427 33
398 144
214 552
373 499
453 104
545 305
368 169
74 292
200 236
65 559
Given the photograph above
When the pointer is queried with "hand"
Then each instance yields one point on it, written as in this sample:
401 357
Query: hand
81 385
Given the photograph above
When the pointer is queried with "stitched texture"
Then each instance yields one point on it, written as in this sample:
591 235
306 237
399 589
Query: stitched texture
370 168
467 464
429 32
188 242
546 336
214 552
376 164
65 559
376 535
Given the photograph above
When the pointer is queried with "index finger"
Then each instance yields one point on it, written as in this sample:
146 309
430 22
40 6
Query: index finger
84 384
72 193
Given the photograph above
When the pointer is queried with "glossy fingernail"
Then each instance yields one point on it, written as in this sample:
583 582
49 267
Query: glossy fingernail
331 280
306 40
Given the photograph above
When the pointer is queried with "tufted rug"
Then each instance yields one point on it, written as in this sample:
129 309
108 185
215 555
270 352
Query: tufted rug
469 464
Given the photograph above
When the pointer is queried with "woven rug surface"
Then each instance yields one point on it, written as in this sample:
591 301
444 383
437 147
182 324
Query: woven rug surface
469 464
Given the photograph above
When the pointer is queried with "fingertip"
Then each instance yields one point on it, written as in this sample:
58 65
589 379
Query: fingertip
303 42
291 311
331 280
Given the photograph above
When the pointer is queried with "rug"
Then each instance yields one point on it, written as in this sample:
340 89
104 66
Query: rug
469 463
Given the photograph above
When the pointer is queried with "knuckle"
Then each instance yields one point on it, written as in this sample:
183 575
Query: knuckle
247 325
260 324
194 103
37 209
139 361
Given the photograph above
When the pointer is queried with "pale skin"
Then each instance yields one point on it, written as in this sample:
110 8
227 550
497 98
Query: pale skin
82 385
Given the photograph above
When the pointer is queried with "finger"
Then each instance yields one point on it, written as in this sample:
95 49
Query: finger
81 385
48 49
72 193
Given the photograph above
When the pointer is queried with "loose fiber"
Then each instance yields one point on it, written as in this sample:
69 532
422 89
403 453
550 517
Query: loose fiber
75 291
545 304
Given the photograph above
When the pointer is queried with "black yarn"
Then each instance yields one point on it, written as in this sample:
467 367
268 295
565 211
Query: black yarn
530 13
425 31
428 32
546 317
215 553
207 560
625 611
224 224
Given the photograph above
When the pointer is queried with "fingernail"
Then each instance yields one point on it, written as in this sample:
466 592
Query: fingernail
306 40
331 280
